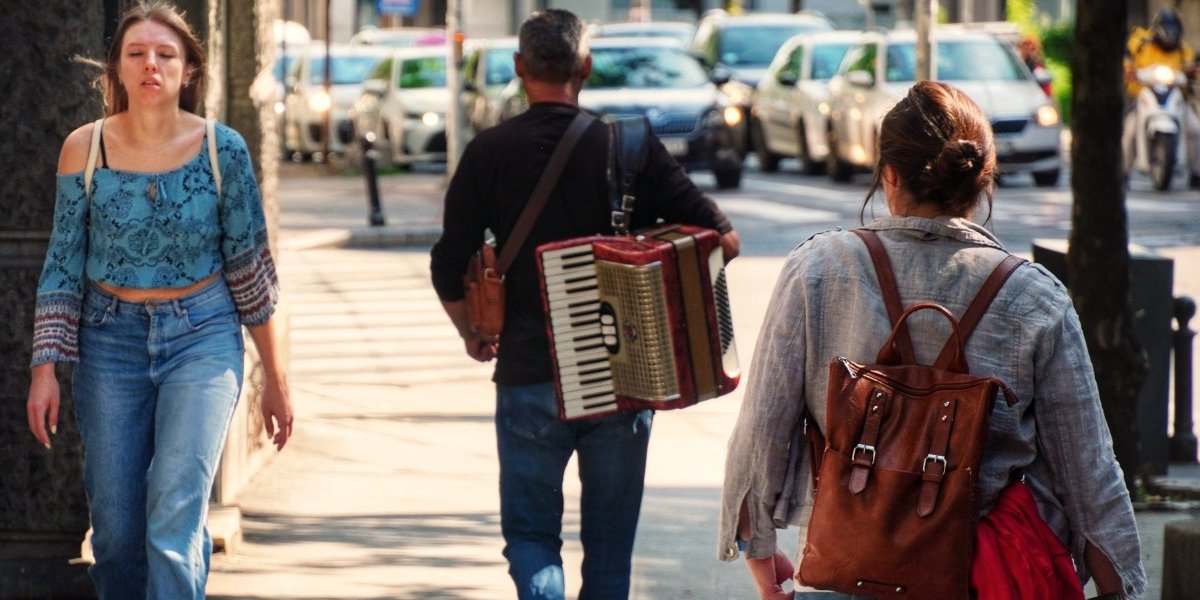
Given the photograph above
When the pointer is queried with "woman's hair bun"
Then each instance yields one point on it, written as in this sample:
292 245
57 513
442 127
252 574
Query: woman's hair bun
959 157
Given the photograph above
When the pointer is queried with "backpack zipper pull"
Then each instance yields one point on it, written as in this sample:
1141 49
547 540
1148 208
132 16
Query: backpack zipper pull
849 369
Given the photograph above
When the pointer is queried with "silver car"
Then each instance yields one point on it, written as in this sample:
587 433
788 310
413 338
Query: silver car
487 68
878 71
307 102
789 109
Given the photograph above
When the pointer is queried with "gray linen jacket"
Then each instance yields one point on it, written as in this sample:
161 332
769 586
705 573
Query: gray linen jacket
827 304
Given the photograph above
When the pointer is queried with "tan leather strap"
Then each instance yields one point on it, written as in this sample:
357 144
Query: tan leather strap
211 134
933 469
541 192
863 456
816 447
979 305
93 153
891 292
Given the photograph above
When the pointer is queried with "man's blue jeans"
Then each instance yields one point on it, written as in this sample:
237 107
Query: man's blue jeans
154 391
534 447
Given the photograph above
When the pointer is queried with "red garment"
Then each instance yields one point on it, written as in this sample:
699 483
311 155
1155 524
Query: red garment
1018 557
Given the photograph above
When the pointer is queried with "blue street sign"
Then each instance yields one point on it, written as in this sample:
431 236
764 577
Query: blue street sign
404 8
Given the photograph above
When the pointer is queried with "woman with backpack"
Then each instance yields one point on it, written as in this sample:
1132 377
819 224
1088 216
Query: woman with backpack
158 256
936 165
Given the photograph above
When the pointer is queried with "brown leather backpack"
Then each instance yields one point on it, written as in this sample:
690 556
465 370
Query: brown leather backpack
896 508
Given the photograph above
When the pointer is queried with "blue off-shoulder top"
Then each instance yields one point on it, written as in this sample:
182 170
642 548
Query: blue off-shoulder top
155 230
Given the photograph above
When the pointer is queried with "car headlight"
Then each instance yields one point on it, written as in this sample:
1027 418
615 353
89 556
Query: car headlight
1164 75
431 118
1046 115
279 107
738 92
320 102
732 115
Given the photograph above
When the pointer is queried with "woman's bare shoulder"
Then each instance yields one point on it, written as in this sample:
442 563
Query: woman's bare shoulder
74 154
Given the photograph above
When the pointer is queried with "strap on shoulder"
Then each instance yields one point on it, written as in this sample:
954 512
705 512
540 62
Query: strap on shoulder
93 153
629 143
983 299
891 292
211 135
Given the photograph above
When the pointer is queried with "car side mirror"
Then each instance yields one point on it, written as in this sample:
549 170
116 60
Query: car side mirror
1042 76
861 78
720 75
377 87
787 78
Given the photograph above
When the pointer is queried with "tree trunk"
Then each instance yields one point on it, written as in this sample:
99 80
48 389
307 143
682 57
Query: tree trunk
43 509
1098 258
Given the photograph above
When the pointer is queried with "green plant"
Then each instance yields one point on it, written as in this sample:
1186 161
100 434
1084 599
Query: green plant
1056 40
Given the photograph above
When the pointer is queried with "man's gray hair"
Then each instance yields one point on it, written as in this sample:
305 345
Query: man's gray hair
552 45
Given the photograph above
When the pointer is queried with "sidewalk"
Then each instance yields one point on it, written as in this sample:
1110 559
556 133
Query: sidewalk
388 489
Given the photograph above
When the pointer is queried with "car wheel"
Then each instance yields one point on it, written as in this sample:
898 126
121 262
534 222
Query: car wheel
808 166
838 169
1046 178
768 162
728 179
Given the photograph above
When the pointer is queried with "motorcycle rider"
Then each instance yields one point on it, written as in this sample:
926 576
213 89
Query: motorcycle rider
1161 44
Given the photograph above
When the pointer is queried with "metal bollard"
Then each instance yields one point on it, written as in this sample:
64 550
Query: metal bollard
1183 441
370 154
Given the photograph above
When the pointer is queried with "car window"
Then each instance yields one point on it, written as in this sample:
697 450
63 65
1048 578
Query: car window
645 68
977 60
702 41
792 66
345 69
826 58
756 45
381 70
901 62
500 66
422 73
863 59
471 64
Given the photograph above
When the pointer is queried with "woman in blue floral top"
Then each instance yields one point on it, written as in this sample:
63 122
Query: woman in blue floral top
159 255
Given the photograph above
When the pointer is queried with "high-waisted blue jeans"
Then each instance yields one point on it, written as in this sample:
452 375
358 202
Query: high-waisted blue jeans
534 448
154 392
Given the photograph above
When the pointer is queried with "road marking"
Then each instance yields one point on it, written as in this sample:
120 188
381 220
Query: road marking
776 212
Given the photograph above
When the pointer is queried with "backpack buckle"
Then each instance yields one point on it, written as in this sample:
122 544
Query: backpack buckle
937 458
864 448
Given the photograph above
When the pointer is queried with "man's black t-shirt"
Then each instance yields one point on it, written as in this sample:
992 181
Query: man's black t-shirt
494 180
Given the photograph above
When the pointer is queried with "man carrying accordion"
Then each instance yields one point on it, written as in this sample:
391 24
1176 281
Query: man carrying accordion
536 435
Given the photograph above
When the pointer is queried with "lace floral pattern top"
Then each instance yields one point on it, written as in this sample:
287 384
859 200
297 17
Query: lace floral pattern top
155 230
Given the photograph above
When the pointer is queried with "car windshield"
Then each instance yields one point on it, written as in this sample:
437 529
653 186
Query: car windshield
756 45
968 60
645 68
679 34
423 73
826 58
500 66
346 69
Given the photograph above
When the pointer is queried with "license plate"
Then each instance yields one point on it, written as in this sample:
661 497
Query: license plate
676 146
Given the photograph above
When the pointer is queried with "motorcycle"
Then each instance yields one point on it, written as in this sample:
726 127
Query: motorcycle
1158 121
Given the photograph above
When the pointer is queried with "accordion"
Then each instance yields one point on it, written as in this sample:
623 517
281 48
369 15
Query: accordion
637 321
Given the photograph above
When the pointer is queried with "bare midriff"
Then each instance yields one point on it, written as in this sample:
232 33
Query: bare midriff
155 294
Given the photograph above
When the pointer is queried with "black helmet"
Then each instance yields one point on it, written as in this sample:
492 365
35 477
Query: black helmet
1167 29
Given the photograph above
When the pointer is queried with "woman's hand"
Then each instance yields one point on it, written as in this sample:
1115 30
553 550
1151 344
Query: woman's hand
277 411
769 575
42 407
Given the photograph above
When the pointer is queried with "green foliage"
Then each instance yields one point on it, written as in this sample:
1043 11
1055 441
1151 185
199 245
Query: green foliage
1056 39
1061 86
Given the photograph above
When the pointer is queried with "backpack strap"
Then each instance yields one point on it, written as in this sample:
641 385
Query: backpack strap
211 135
983 299
891 292
629 147
93 153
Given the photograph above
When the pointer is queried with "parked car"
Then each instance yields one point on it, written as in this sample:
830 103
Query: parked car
675 30
738 48
878 71
308 102
656 78
399 37
789 109
487 68
404 103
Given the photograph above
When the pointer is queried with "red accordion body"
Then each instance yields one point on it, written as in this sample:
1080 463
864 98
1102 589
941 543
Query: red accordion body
638 321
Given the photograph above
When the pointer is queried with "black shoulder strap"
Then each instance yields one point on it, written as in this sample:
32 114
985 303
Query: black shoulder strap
629 145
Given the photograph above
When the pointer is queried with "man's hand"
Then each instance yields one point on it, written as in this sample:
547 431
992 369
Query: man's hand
479 347
769 574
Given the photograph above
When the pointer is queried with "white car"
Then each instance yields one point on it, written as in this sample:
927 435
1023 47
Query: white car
878 71
309 100
789 108
487 68
403 104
